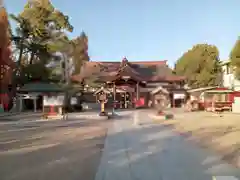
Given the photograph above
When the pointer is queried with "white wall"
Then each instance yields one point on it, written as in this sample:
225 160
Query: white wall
236 85
229 80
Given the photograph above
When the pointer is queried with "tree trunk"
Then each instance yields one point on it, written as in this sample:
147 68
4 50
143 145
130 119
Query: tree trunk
13 90
31 58
20 55
19 63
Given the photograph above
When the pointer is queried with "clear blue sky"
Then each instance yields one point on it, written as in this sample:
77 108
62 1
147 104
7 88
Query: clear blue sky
149 29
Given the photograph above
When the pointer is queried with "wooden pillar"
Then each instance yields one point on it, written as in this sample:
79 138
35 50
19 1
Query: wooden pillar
173 100
35 104
114 99
132 99
125 100
21 104
114 91
121 103
137 89
43 105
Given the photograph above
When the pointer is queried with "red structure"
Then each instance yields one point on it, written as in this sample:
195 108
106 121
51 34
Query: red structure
219 99
142 77
6 63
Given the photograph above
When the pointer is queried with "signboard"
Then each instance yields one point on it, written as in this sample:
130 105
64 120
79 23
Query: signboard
179 96
53 100
125 77
125 88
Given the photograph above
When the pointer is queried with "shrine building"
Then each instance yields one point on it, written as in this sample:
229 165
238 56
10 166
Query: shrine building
134 81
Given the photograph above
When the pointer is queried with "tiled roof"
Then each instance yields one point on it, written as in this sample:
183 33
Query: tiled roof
146 63
144 70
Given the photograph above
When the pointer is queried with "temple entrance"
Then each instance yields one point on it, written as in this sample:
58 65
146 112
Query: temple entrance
29 103
125 100
177 99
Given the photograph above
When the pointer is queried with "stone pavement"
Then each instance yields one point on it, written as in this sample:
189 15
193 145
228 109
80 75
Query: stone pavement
14 117
155 152
29 117
54 150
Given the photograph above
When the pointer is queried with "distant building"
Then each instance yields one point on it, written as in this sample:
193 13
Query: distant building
228 78
148 74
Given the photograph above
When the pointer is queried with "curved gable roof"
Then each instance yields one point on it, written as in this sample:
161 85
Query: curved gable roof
139 70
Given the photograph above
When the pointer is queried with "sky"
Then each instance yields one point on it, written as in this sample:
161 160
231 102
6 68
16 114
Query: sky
149 30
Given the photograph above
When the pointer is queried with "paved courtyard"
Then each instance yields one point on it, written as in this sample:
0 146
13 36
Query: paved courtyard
155 152
56 150
74 150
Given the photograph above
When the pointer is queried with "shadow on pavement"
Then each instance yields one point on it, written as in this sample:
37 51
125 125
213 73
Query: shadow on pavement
70 151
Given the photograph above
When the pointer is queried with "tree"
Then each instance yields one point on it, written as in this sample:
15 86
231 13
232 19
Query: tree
235 58
6 63
200 65
79 52
39 34
49 27
21 36
3 27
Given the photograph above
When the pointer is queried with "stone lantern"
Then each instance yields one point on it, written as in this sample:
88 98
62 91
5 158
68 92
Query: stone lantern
102 99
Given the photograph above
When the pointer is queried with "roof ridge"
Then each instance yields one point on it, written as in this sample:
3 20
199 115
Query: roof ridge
153 61
150 61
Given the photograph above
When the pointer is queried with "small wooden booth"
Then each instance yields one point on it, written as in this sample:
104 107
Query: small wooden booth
50 95
195 98
53 104
218 99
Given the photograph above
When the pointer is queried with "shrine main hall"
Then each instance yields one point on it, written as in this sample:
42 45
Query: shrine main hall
134 81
